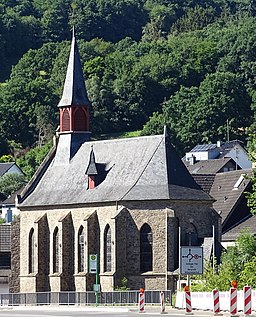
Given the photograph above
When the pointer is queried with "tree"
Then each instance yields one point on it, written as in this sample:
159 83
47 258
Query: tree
10 183
199 115
31 160
236 264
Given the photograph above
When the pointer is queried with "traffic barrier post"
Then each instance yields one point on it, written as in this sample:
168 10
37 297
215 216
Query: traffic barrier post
247 300
162 303
141 301
233 301
188 303
216 302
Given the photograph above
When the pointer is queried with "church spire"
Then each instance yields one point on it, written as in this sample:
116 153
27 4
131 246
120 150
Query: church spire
74 103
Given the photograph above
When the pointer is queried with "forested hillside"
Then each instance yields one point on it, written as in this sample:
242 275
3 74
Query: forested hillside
188 64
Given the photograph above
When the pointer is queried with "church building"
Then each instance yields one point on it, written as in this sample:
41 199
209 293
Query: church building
122 200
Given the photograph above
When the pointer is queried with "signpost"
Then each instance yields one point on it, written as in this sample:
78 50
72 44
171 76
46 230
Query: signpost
191 260
93 269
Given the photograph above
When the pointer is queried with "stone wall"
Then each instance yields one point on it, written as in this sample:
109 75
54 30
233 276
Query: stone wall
14 282
125 221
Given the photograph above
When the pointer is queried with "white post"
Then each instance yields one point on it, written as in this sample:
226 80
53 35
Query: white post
213 248
179 253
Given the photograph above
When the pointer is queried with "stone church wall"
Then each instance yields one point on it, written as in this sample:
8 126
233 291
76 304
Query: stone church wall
164 219
14 282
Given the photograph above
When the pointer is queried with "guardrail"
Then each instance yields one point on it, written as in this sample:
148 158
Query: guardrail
82 298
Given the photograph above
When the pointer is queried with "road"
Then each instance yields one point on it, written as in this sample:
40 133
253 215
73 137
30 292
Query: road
69 311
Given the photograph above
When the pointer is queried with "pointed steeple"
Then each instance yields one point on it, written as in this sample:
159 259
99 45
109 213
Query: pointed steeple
74 92
74 104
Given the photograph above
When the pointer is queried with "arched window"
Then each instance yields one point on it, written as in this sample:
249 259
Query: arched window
65 120
107 249
192 236
56 251
81 249
80 120
146 241
31 250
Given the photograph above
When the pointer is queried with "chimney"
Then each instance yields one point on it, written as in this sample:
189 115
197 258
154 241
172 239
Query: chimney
192 159
219 143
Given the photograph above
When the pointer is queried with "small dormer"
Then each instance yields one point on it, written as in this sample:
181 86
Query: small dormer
91 171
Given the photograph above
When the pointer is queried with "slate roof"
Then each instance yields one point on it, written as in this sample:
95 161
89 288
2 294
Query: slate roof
11 200
143 168
212 166
227 146
205 181
4 167
227 197
247 225
74 92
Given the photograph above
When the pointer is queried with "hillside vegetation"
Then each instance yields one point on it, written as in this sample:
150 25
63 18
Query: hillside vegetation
188 64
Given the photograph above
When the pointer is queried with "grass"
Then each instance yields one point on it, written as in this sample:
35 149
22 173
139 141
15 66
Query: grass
120 135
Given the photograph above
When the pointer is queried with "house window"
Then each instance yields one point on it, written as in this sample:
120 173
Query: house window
146 241
31 250
56 251
107 249
81 249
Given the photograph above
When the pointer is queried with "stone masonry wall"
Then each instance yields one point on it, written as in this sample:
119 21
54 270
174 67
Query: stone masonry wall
14 282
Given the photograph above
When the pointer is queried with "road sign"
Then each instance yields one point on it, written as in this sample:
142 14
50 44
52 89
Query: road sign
93 263
191 260
96 287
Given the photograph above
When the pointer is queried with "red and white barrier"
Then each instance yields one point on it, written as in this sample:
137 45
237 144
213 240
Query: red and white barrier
162 302
233 301
247 300
188 302
142 302
216 301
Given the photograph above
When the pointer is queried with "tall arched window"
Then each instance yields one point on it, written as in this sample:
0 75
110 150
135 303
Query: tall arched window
80 120
192 236
81 249
31 250
65 120
107 249
56 251
146 241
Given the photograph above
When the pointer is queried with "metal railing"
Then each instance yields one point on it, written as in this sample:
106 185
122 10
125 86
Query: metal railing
82 298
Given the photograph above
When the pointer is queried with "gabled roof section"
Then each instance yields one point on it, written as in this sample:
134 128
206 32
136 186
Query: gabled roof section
212 166
205 181
74 92
248 224
142 168
226 147
228 196
4 167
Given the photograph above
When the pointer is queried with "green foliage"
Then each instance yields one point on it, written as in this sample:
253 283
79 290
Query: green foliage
237 263
248 275
188 64
123 285
6 158
251 196
2 221
30 162
10 183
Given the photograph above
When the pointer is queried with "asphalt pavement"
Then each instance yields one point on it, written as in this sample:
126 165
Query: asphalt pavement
80 311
